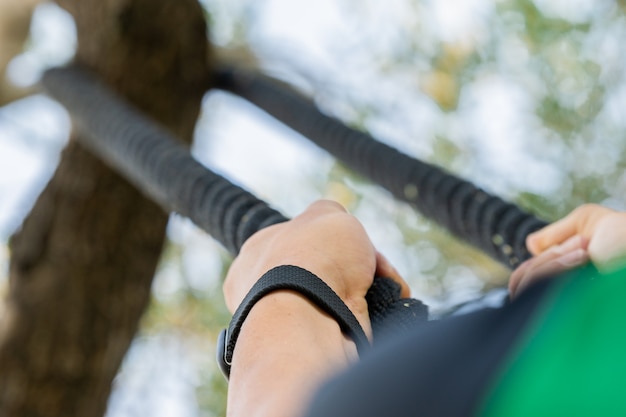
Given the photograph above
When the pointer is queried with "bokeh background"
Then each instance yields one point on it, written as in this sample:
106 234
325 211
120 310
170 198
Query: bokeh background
526 98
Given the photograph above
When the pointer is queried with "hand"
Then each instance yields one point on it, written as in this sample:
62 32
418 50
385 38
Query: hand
558 258
325 240
604 228
589 233
285 334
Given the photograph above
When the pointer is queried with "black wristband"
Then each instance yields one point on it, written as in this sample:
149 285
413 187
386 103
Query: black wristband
288 277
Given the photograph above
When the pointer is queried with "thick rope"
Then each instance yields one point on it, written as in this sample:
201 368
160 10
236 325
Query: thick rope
495 226
157 163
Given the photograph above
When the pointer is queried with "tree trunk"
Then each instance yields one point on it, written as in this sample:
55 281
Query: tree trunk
83 262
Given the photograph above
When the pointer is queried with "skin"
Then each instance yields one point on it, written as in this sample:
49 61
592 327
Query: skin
589 233
279 362
288 347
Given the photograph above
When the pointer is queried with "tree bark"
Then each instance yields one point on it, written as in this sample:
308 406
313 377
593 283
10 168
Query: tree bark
83 262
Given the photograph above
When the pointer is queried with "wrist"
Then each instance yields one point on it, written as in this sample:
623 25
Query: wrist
291 315
288 277
342 283
287 348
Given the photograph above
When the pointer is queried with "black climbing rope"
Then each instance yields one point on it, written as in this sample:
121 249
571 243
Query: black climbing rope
157 163
497 227
164 170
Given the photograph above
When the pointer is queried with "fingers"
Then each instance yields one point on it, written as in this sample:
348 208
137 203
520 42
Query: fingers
385 269
551 235
582 221
572 253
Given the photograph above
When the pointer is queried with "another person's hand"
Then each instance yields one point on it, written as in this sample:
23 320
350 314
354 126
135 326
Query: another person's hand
589 233
325 240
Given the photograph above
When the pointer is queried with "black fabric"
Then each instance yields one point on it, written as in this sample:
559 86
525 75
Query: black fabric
306 283
390 314
441 369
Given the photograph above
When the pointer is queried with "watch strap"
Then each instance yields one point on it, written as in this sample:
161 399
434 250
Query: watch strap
289 277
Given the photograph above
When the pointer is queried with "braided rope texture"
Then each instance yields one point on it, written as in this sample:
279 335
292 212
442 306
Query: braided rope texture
163 169
497 227
157 163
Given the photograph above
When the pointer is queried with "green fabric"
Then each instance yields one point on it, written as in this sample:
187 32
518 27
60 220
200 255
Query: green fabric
572 361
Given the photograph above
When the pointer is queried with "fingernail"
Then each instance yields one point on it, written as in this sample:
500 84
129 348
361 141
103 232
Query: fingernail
574 258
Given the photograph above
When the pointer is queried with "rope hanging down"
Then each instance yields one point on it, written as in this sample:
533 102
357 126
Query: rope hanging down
164 170
486 221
